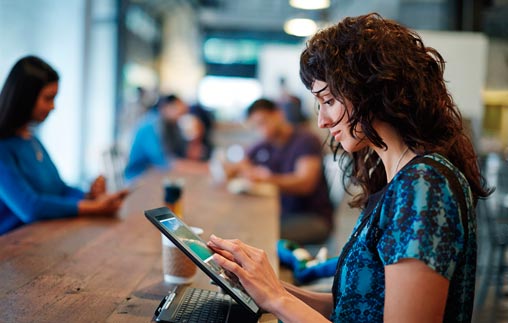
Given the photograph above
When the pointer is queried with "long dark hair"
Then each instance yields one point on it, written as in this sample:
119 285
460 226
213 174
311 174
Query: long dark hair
20 91
384 70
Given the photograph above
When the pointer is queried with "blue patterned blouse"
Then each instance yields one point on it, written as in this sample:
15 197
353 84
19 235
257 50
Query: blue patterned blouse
419 217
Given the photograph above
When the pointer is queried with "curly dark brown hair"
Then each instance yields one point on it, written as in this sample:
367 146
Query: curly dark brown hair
384 70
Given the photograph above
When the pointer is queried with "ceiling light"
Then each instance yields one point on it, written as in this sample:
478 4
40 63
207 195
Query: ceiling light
300 27
310 4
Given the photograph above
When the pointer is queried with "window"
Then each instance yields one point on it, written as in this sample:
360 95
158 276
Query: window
228 97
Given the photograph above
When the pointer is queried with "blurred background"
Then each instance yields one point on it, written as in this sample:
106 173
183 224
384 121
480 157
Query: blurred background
115 57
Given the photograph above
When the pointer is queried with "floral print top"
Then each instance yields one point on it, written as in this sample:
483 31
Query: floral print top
418 216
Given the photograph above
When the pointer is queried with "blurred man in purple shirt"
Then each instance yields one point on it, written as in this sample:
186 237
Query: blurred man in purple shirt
291 159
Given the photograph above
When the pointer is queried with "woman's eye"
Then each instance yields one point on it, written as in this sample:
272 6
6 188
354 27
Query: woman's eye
329 102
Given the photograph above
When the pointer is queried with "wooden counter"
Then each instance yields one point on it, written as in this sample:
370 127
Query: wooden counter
109 270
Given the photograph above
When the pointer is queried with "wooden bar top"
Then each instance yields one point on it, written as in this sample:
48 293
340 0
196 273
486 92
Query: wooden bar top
109 269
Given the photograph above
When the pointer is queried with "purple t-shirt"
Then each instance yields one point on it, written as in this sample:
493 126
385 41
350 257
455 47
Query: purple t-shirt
282 160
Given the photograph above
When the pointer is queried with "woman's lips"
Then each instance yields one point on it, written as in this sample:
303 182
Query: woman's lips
336 135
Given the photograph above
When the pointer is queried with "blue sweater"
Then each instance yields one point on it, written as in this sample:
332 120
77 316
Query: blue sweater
30 187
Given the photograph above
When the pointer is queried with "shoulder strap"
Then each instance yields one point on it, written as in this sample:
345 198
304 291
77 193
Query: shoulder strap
457 190
375 231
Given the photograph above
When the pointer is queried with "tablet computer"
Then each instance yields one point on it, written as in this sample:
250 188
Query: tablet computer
197 250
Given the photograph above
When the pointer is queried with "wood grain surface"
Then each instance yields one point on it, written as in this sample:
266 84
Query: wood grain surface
109 269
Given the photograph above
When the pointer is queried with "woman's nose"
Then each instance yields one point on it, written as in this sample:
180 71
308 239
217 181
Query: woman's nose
323 120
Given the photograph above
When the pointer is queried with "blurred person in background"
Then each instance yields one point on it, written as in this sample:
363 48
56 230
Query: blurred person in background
139 100
207 119
30 186
167 133
291 159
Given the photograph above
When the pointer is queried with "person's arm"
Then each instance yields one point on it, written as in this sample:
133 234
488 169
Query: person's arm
300 182
237 169
414 293
97 188
307 168
256 275
97 202
321 302
103 205
29 205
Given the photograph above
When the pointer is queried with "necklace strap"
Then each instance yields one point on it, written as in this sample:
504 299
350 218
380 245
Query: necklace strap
400 159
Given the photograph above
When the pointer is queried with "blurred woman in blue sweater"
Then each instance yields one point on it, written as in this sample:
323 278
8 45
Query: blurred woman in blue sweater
30 186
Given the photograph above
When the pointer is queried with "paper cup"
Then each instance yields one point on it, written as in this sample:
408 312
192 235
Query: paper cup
177 268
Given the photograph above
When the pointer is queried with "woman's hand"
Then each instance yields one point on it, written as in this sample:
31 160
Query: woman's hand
256 275
103 205
252 268
97 188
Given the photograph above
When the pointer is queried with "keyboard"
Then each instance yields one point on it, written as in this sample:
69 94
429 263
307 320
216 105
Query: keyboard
201 305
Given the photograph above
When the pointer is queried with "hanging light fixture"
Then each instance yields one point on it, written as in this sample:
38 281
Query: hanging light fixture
300 27
310 4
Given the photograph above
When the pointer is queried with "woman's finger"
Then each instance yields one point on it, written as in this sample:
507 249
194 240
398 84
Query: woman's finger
235 242
229 265
220 251
235 247
122 193
97 188
99 182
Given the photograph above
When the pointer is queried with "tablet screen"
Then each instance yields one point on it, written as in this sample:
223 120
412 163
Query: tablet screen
202 254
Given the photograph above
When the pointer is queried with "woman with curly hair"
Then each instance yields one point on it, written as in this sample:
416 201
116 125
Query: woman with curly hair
412 254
